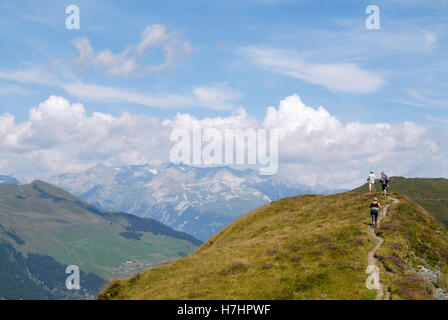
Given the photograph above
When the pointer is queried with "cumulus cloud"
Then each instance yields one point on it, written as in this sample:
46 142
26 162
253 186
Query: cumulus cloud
323 150
59 137
126 63
239 119
315 147
342 77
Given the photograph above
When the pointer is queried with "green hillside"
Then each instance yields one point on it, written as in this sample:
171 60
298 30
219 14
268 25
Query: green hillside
305 247
430 193
42 225
38 276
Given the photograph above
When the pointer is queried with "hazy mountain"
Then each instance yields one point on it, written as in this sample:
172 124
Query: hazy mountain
44 228
196 200
8 179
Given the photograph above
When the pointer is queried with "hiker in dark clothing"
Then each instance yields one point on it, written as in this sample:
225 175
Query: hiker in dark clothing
375 207
384 182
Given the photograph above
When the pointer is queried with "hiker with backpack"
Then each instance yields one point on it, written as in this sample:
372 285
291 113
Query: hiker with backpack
384 182
371 181
375 207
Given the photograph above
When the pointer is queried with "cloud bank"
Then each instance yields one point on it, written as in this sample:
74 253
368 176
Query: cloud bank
315 148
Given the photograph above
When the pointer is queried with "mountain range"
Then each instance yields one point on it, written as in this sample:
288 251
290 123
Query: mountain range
43 229
301 247
197 200
8 179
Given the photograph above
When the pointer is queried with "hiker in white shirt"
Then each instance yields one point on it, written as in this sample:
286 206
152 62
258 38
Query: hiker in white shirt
371 180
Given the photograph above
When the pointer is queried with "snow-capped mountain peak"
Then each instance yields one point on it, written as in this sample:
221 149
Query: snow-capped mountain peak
197 200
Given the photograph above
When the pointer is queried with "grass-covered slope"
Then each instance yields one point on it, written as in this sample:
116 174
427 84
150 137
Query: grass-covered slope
305 247
40 277
430 193
414 254
41 223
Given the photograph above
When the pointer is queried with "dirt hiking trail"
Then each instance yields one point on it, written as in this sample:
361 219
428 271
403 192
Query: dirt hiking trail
371 260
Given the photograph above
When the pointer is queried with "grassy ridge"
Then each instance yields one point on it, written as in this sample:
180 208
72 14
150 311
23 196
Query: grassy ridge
413 239
430 193
305 247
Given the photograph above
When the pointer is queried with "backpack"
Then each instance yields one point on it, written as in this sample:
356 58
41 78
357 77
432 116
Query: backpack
374 208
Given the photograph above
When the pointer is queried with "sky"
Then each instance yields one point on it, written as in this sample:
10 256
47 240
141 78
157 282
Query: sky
345 98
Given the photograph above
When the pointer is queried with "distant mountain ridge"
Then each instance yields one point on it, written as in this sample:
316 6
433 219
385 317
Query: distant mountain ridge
44 228
196 200
8 179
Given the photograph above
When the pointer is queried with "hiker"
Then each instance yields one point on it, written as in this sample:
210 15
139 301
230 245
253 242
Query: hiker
384 182
371 180
375 206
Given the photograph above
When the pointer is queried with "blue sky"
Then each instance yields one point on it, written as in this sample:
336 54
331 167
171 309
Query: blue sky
230 54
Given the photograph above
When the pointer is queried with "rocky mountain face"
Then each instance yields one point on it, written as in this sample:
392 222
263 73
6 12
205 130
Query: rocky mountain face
196 200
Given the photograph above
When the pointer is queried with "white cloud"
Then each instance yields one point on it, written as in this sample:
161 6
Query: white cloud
152 36
215 97
211 97
59 136
36 75
418 99
239 119
439 120
92 92
7 89
315 147
405 42
126 63
220 97
343 77
314 141
430 40
349 39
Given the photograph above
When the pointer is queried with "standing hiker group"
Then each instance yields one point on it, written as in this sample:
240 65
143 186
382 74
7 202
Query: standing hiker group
375 206
371 179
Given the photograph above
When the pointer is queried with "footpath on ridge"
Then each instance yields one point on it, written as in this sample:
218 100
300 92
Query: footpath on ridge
371 260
